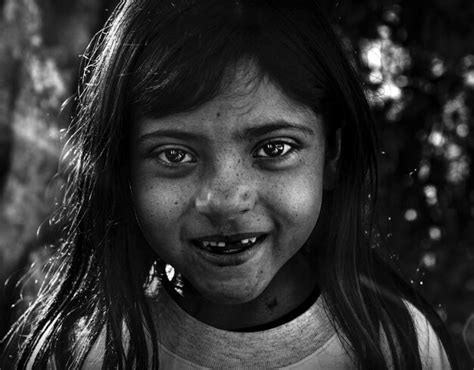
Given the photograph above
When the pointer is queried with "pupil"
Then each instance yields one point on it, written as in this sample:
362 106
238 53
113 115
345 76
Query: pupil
274 150
174 155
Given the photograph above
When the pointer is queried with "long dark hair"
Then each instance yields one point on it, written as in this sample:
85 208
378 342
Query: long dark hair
155 58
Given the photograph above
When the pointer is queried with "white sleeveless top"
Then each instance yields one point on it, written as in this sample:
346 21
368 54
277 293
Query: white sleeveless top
307 342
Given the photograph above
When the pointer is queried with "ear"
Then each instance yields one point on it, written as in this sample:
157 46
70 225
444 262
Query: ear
331 161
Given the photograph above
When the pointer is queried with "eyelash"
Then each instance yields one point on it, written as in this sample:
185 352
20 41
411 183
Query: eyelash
287 147
290 149
161 155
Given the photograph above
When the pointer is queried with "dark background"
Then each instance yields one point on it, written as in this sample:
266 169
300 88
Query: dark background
416 59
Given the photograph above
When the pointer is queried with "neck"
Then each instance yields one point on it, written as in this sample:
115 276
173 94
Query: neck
291 288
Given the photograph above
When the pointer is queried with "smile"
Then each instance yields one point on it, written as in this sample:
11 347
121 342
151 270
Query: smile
228 244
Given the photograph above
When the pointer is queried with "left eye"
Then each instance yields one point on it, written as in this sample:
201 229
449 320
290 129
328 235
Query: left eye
273 149
175 156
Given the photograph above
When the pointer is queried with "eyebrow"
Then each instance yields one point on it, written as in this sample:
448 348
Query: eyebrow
274 126
174 133
246 134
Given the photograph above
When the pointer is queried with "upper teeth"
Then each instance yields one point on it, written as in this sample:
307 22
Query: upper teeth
207 243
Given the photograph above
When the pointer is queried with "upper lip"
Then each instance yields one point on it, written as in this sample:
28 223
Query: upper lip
229 238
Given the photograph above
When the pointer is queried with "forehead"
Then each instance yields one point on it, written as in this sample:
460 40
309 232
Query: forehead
257 96
247 88
245 100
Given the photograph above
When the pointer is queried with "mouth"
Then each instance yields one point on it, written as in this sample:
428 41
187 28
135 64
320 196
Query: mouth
230 244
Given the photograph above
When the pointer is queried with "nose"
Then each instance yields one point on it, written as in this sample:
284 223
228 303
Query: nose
228 203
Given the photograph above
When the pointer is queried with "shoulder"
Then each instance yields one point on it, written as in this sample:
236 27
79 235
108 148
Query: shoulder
432 353
95 357
93 360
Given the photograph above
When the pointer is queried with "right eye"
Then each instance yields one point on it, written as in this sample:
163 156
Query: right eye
175 156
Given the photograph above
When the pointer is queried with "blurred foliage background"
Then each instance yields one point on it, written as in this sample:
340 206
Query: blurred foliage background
416 60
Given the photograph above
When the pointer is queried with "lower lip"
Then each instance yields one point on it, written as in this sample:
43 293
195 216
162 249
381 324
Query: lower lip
233 259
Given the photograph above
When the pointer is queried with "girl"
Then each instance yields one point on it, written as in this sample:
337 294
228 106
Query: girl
230 143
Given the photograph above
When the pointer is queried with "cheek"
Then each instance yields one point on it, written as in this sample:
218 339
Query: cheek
159 208
297 200
302 198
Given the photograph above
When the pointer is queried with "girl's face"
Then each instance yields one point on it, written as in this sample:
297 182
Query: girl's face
227 194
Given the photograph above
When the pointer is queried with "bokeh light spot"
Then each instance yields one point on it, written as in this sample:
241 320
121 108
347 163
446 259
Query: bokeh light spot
431 194
435 233
390 91
453 151
429 260
462 130
384 31
437 67
411 214
424 171
374 56
469 78
468 61
458 170
436 138
376 77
